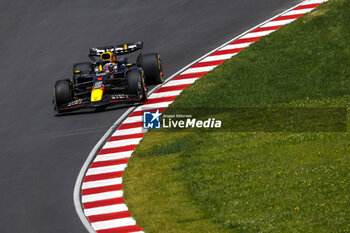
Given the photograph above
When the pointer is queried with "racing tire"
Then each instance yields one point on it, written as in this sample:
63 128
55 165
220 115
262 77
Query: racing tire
153 67
83 67
136 84
63 93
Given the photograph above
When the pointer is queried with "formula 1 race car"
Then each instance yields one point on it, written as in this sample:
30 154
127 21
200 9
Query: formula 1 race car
111 79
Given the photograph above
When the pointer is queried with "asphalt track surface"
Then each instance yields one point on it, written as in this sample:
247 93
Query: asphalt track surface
41 154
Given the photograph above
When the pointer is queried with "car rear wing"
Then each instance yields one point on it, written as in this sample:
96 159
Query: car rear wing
117 49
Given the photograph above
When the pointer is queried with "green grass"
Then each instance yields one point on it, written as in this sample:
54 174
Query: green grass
255 181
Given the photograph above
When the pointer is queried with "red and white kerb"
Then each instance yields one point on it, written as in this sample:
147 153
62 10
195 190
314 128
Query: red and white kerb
102 190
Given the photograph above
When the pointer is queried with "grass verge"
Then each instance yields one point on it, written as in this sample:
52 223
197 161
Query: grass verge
256 181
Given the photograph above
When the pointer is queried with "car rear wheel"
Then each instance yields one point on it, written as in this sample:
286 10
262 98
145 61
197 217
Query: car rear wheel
63 93
153 68
136 84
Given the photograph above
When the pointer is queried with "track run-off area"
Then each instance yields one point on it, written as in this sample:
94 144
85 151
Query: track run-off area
99 192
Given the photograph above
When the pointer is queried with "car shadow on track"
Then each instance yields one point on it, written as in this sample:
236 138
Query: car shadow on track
96 110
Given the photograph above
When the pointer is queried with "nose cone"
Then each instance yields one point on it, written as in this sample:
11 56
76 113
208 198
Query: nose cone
96 95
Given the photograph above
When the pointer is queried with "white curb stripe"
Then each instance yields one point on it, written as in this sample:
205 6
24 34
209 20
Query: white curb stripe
279 23
164 94
199 69
126 142
257 34
235 46
158 105
297 12
122 222
133 119
106 209
113 156
106 169
101 183
181 81
218 57
101 196
313 2
128 131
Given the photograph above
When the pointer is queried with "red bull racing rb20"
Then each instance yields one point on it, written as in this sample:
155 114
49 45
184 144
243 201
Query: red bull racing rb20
108 79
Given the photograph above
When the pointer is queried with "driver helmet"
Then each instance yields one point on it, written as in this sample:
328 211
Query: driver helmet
108 67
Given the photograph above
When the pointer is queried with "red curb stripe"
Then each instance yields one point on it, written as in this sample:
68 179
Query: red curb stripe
94 204
103 176
307 6
124 137
288 17
227 51
246 40
208 63
130 125
127 229
262 29
110 216
192 75
137 113
109 162
102 189
118 149
140 113
172 88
